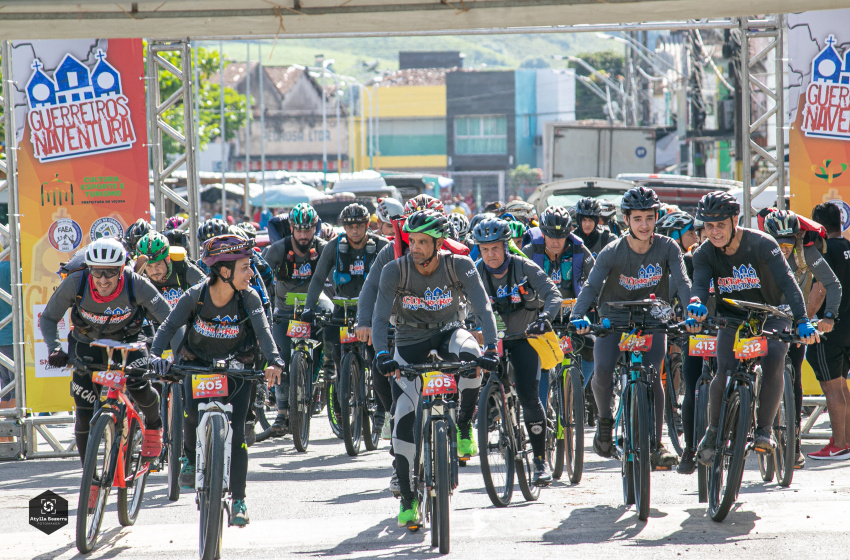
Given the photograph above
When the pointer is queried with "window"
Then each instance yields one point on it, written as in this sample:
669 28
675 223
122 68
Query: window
486 134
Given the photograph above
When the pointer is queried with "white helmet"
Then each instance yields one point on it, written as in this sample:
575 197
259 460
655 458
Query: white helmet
106 251
388 208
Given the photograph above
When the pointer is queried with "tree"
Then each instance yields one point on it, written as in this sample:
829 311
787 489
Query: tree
523 179
588 104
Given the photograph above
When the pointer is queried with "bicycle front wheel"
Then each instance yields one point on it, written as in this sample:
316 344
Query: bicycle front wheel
785 431
555 428
212 493
350 396
700 425
130 497
174 443
641 425
372 422
495 447
443 482
674 393
574 424
95 484
300 400
728 468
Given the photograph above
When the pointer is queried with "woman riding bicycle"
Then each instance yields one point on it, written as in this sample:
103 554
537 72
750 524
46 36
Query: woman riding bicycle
225 320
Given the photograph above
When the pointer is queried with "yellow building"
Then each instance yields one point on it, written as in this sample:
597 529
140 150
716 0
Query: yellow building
408 123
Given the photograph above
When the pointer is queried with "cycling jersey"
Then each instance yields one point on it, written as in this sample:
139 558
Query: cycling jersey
183 276
293 272
574 265
838 258
369 292
346 266
598 239
816 268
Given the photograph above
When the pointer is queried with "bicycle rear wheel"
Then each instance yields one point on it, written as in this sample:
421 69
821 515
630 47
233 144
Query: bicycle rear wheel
524 458
130 498
332 407
574 410
442 480
728 469
95 484
624 429
555 427
700 425
300 397
785 431
174 442
212 493
495 447
372 422
641 425
674 393
350 399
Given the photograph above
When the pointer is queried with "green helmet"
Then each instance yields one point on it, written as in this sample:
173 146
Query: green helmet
303 216
429 222
518 229
154 246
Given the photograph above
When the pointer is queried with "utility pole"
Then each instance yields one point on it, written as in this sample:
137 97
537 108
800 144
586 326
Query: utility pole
262 126
223 144
246 200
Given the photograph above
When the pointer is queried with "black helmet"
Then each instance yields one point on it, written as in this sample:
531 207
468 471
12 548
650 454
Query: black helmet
781 224
674 224
588 207
640 198
555 222
491 230
354 214
135 232
212 228
717 206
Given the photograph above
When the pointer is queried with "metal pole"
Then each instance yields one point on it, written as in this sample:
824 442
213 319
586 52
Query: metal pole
371 130
779 89
154 136
377 133
247 201
262 126
221 130
324 131
351 130
745 122
338 134
192 177
196 117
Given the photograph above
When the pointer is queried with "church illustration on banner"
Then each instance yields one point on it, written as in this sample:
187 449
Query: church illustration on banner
72 82
826 107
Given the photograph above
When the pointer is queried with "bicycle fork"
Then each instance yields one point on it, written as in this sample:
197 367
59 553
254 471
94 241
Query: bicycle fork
451 429
206 412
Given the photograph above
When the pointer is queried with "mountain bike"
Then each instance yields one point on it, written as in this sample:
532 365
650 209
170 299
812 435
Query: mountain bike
566 410
674 393
705 346
213 449
113 455
171 411
780 463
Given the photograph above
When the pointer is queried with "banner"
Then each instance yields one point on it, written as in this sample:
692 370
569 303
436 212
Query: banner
82 172
819 111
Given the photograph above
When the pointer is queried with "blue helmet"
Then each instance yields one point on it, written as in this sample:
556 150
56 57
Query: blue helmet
491 230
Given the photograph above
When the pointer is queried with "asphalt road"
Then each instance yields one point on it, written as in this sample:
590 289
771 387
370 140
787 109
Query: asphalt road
325 504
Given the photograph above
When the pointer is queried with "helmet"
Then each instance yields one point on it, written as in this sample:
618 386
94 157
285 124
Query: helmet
698 224
303 216
154 246
422 202
429 222
460 222
667 209
607 208
174 222
640 198
328 232
555 222
134 233
717 206
388 208
238 231
518 229
476 219
226 248
106 251
176 238
248 228
588 207
354 214
781 223
674 224
212 228
491 230
520 209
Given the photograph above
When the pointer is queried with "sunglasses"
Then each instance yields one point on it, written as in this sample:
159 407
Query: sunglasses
786 245
105 272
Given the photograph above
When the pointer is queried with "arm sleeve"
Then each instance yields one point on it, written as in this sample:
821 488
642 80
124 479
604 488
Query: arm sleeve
178 317
544 288
194 275
595 281
824 275
274 255
321 274
389 279
784 278
473 287
702 275
155 305
260 324
589 261
678 274
61 300
369 292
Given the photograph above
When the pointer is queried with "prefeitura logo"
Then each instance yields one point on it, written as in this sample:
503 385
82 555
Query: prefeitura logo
48 512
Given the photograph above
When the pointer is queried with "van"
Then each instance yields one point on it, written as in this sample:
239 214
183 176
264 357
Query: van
366 186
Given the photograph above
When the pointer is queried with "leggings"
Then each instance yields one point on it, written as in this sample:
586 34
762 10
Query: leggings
772 365
239 395
453 345
797 352
526 365
606 352
85 392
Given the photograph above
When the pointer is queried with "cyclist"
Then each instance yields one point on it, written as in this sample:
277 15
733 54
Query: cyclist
225 320
526 300
808 266
422 290
461 225
518 233
388 208
134 232
745 264
106 300
176 237
608 217
595 237
632 268
293 259
172 277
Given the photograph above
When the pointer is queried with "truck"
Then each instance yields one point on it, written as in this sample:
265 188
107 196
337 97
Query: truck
596 149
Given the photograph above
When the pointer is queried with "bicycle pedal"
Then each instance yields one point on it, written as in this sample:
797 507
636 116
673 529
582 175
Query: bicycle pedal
662 468
413 528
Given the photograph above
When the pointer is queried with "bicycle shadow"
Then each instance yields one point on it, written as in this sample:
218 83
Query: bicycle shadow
106 547
356 497
384 540
699 528
592 525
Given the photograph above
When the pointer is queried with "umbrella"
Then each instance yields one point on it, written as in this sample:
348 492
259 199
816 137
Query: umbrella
286 195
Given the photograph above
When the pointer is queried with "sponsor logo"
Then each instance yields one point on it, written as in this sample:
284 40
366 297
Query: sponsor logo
433 300
114 316
502 291
743 277
471 272
105 227
65 235
95 189
302 272
57 192
776 252
649 275
357 268
217 328
827 174
86 394
171 295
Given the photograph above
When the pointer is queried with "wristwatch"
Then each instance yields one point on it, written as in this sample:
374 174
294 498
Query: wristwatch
829 315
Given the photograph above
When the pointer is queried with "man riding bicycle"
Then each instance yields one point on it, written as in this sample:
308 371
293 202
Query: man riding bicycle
634 267
225 320
594 236
746 265
422 291
526 301
110 301
171 277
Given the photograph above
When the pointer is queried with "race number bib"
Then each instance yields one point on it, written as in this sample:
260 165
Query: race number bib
703 346
346 337
298 329
749 348
635 343
205 386
114 379
436 383
566 344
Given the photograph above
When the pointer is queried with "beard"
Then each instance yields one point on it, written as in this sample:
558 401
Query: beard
302 247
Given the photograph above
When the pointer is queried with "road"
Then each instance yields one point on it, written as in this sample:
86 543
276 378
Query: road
324 504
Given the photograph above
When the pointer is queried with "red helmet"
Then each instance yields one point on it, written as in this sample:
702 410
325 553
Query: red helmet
226 248
422 202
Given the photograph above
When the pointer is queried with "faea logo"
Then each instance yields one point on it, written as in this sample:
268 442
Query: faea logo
649 275
434 300
65 235
105 227
744 277
826 113
78 112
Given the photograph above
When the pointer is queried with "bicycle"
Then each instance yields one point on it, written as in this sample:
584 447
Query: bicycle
674 392
436 462
781 462
213 449
171 411
705 346
739 410
113 456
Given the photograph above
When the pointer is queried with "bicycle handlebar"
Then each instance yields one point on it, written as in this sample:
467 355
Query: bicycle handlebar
185 370
87 366
464 369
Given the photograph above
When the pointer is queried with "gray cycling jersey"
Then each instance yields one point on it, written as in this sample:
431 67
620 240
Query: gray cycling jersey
620 274
357 260
369 293
292 275
819 270
431 302
510 302
103 320
216 332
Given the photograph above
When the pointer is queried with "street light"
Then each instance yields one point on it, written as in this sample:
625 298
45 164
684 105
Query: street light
320 61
